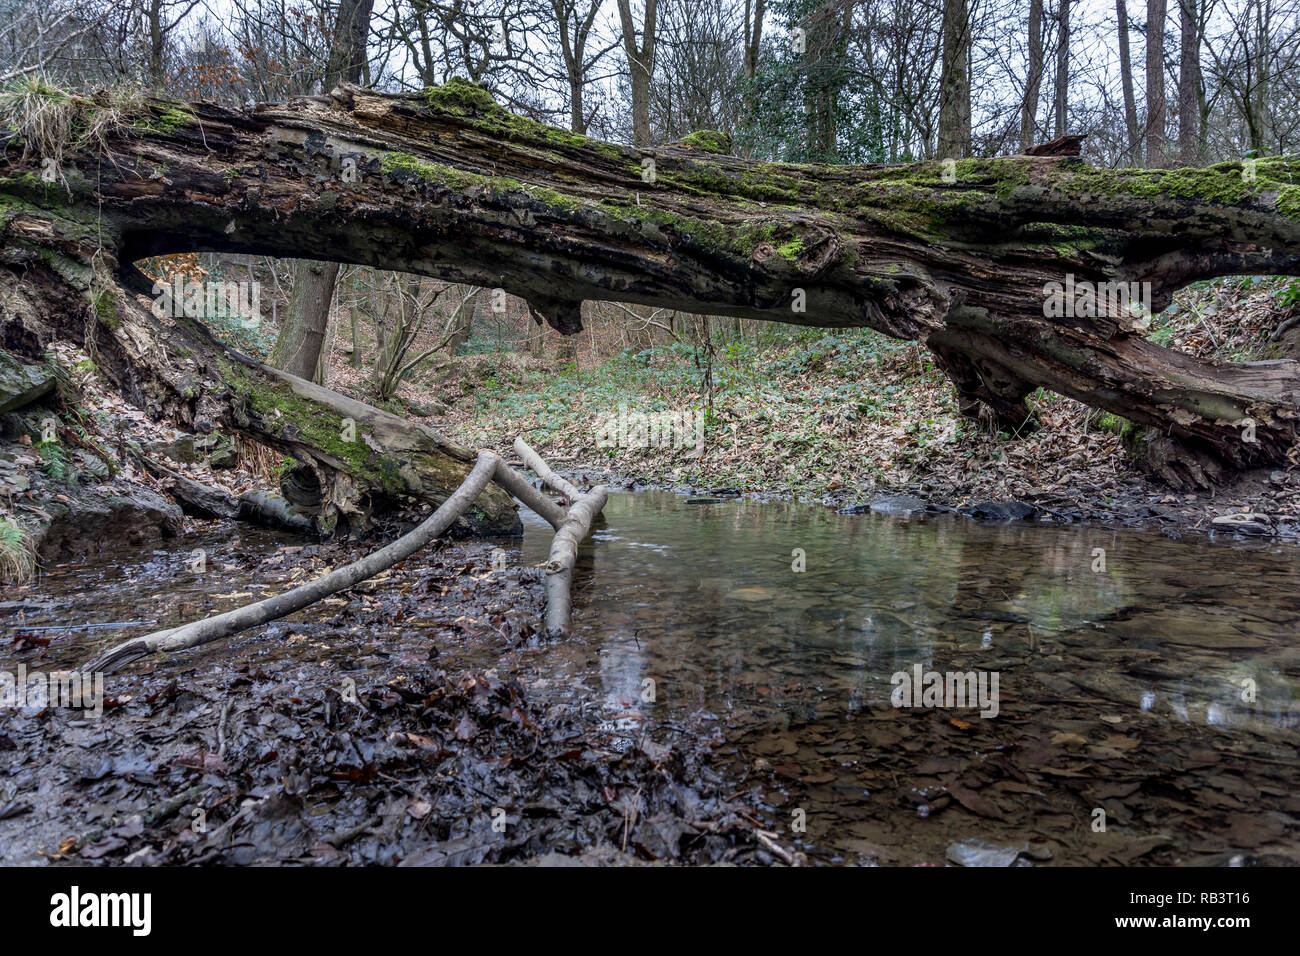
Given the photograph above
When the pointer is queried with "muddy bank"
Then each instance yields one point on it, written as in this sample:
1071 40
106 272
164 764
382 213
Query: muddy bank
1257 504
350 736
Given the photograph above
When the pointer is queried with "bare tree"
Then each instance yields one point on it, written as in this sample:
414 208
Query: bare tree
300 345
640 64
1062 67
1126 82
1189 82
1033 76
954 87
572 25
1156 10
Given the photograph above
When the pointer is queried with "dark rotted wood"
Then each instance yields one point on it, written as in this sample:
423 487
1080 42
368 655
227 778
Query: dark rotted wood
1071 145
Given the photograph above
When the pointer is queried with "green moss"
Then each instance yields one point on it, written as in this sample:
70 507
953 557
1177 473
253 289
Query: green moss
1112 424
436 173
1222 183
461 96
292 418
475 105
792 249
29 184
106 308
704 234
762 182
753 234
1288 201
164 120
709 140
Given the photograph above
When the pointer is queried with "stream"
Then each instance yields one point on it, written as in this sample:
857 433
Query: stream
1144 712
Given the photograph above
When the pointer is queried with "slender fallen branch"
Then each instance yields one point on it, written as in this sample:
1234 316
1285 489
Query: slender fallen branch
519 486
564 553
543 470
251 615
568 535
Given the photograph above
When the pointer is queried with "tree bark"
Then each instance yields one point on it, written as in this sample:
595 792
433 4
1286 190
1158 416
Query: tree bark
301 338
453 187
1189 83
1156 141
640 64
1033 77
954 85
564 555
1063 68
1126 82
300 344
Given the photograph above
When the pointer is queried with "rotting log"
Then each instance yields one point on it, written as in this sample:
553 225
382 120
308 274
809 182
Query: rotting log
446 183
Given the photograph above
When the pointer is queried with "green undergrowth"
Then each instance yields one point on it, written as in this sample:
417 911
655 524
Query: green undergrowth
787 413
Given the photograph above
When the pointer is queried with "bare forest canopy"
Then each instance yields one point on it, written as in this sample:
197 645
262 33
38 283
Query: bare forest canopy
966 256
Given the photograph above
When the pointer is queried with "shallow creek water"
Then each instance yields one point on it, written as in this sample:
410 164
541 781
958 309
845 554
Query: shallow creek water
1146 706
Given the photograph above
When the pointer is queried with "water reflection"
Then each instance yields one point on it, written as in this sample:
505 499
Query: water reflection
722 619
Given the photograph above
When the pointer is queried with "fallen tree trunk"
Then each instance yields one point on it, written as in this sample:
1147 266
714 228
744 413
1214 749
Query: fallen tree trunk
517 485
572 529
447 184
543 471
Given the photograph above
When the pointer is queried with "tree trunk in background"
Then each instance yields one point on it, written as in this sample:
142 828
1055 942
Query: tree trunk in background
301 340
640 64
304 334
1063 69
1033 77
753 36
753 45
1126 81
573 46
954 85
1257 111
1189 84
356 339
157 43
1156 144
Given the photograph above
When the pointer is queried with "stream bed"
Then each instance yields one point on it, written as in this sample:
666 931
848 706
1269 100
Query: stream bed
1133 697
